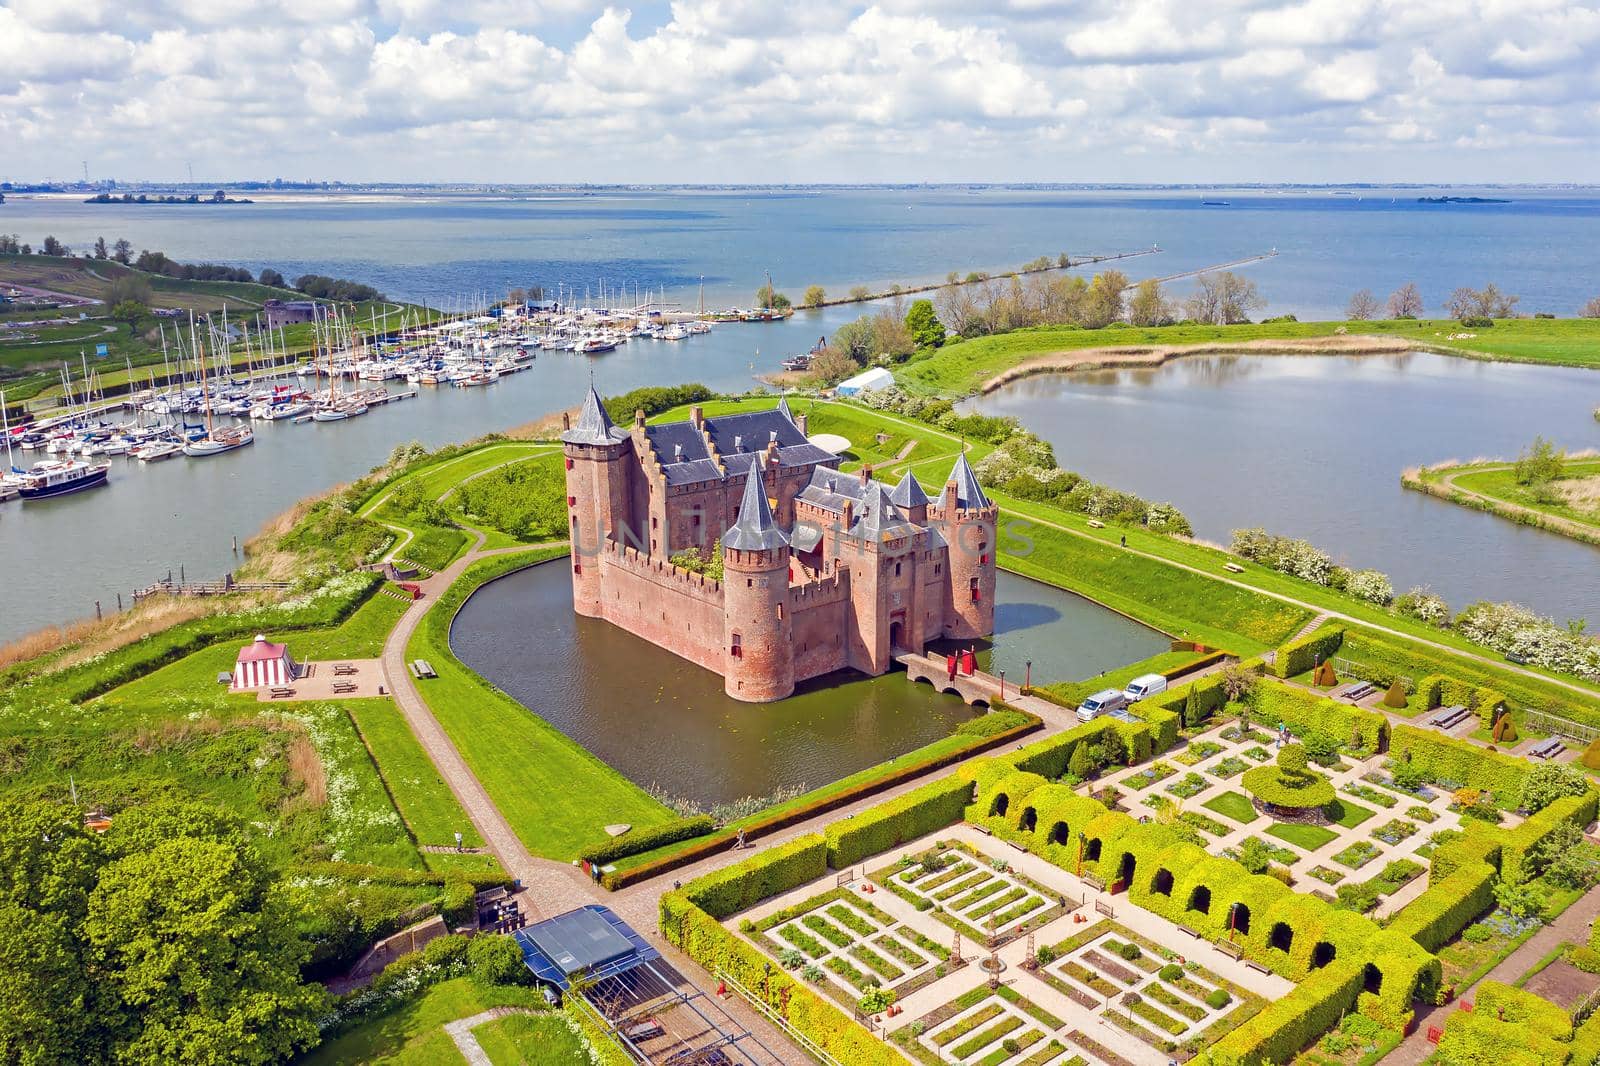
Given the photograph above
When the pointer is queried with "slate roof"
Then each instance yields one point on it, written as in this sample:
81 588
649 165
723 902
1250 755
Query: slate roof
783 408
908 493
755 529
969 494
874 515
739 438
594 425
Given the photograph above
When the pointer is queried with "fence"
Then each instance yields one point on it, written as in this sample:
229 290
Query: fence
805 1043
1351 668
1544 722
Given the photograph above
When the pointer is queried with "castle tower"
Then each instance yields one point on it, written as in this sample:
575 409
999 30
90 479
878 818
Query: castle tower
598 460
758 648
968 521
909 497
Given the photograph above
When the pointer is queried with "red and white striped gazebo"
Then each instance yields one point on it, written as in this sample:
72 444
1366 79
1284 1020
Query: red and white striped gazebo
263 664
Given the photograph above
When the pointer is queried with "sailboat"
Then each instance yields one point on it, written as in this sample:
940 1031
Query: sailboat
216 441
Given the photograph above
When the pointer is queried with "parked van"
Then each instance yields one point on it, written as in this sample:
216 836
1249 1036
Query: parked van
1144 686
1103 702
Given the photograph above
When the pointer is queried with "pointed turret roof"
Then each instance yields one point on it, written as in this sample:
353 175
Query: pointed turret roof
783 408
594 426
908 493
969 494
755 530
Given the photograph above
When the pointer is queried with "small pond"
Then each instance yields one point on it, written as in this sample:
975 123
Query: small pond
663 721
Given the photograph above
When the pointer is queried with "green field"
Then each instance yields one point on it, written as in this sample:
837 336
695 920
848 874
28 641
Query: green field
556 795
961 368
1074 692
425 801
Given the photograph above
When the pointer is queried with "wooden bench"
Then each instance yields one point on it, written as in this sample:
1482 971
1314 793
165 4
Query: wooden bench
1256 966
281 693
1019 847
1450 717
1192 932
1232 950
981 829
1233 568
1356 693
1547 749
421 668
345 686
1095 523
344 669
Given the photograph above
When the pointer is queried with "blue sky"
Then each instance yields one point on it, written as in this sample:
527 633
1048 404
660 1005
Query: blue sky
734 90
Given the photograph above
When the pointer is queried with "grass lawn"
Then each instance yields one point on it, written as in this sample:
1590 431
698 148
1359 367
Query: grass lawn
1348 814
1075 691
1233 805
1574 511
959 369
414 1034
556 795
531 1040
1307 837
425 801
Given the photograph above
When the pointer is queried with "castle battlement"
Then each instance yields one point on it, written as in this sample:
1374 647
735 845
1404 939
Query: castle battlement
881 572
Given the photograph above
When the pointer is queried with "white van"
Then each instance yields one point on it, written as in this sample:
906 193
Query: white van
1145 686
1103 702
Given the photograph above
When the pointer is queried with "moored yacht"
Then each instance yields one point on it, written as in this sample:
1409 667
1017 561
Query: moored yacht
55 477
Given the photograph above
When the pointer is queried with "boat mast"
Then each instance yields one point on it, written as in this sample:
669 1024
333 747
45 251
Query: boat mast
5 426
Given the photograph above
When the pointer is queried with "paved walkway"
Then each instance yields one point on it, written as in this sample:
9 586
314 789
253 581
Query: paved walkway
461 1032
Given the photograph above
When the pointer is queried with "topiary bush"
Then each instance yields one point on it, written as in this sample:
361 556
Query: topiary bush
1396 696
1289 784
1171 972
1218 998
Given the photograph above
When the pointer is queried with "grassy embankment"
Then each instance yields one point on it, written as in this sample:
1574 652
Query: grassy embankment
964 367
414 1035
30 358
1572 511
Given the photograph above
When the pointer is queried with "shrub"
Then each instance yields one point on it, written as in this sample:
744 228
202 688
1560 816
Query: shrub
1218 998
917 813
649 838
1450 902
1304 712
1045 955
1585 958
744 884
456 905
1171 972
1522 851
1279 786
1453 763
1591 755
496 960
1548 782
1396 696
1302 653
1130 952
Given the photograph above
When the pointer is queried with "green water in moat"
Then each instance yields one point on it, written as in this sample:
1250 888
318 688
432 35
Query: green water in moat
663 721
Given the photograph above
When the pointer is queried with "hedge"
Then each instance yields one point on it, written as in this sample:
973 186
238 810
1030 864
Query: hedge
1163 724
744 884
1481 844
1474 1038
720 842
603 1047
888 825
1586 1043
1049 757
1302 653
1277 787
722 953
1449 905
1519 1007
1516 843
1458 763
648 839
1286 1025
1305 712
1437 690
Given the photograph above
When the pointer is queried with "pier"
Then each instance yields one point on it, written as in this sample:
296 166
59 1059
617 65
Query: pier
1197 271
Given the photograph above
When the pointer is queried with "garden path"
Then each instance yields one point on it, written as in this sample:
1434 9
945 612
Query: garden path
460 1031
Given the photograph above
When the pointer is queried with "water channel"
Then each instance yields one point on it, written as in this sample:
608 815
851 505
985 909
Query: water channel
1313 447
663 721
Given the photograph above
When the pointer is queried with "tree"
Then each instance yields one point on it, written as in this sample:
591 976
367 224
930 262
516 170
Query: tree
1540 463
1105 299
122 251
200 954
832 364
1078 764
130 312
1255 856
129 287
860 293
1549 782
1237 682
1406 301
926 329
1148 306
1591 309
219 197
100 248
1487 302
55 247
1363 305
857 340
814 297
769 298
271 277
496 960
1223 298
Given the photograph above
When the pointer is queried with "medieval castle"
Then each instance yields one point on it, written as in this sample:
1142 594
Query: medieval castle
821 570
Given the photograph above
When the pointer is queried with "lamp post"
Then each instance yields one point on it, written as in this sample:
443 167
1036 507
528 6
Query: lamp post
1027 676
1002 684
1082 840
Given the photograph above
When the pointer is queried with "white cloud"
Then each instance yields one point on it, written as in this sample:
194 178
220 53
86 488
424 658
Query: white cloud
722 90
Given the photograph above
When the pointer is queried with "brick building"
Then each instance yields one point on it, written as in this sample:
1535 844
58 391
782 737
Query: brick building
822 570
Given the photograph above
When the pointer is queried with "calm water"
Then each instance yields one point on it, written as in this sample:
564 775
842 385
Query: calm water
1314 447
664 721
60 557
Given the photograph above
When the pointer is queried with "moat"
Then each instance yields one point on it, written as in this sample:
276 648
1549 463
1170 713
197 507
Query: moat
663 721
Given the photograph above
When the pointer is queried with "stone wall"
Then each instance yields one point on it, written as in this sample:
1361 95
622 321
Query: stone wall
666 605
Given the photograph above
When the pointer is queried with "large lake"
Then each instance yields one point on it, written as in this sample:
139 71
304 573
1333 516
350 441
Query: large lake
62 556
1314 447
664 721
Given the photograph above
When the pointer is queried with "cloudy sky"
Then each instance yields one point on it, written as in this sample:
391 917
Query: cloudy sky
740 90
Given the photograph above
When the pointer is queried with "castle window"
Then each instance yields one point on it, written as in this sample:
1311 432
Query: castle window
982 544
654 522
972 587
577 568
938 568
749 582
896 569
736 649
780 612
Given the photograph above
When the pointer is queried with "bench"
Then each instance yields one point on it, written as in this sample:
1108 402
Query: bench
1019 847
1547 749
1233 568
1450 717
1256 966
421 668
1192 932
344 669
1356 693
981 829
281 693
345 686
1232 950
1095 523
